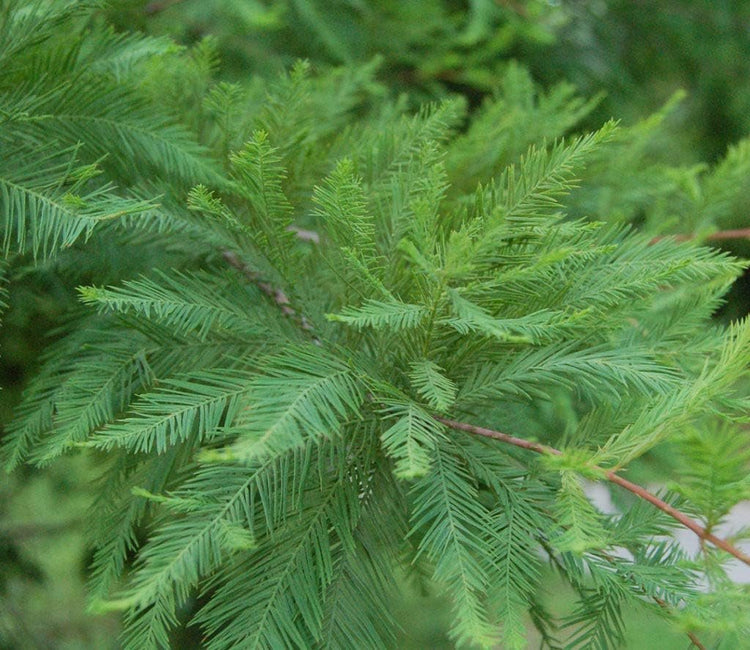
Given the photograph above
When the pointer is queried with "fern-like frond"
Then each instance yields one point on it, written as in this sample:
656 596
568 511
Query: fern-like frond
431 383
713 462
409 206
116 514
704 393
219 501
605 583
595 371
581 526
470 317
528 198
342 207
216 525
640 521
401 141
122 55
190 304
358 601
724 198
411 440
300 394
93 398
516 564
520 517
259 177
636 268
115 123
451 531
597 621
27 436
661 571
378 314
92 376
204 201
25 24
543 177
273 597
46 203
197 404
518 116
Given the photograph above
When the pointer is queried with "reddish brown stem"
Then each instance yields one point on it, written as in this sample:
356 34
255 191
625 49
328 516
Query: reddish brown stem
721 235
277 295
691 635
611 476
739 233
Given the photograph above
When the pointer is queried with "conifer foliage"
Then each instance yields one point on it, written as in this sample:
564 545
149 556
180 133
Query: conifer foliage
273 401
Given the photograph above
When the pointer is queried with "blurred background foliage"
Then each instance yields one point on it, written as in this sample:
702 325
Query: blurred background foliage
637 53
675 72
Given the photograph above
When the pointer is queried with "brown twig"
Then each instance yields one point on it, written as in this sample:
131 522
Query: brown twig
721 235
739 233
691 635
276 295
611 476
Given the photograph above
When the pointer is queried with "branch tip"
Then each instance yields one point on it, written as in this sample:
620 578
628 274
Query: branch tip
612 477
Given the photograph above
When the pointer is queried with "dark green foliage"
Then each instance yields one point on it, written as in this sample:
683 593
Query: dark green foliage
427 44
263 382
643 53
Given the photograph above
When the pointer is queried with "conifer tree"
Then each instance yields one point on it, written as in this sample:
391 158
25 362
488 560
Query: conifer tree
374 345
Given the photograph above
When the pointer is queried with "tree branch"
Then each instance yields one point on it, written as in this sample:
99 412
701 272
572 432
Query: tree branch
662 603
691 635
740 233
611 476
276 295
721 235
